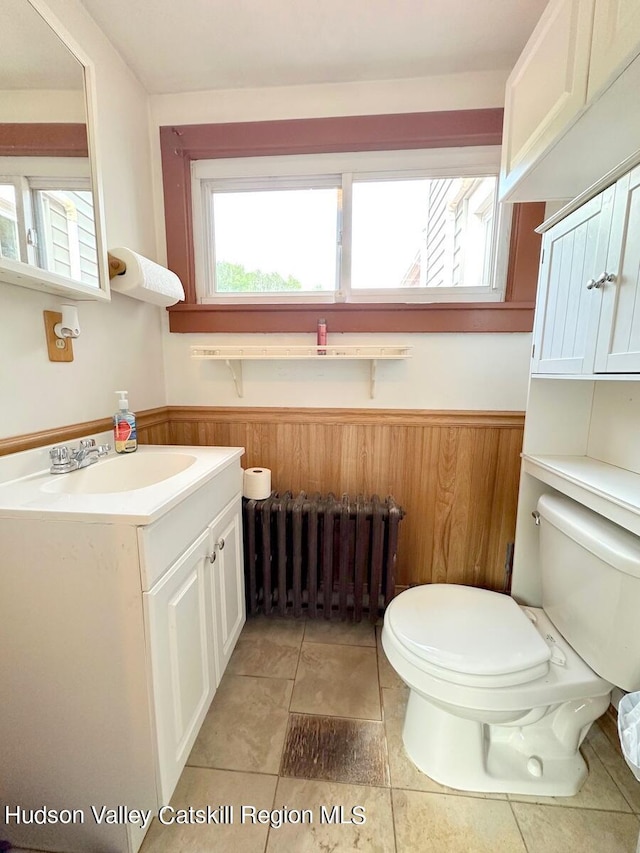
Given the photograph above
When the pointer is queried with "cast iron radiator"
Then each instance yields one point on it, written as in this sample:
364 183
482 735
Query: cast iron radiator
320 553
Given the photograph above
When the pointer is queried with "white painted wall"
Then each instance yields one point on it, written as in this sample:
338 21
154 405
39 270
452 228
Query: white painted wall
447 371
120 345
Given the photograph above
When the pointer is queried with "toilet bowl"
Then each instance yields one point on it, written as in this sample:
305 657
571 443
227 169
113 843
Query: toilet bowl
502 695
495 705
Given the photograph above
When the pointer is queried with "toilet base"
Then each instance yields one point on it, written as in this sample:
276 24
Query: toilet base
541 758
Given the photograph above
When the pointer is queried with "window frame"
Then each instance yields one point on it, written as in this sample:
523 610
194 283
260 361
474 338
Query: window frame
343 171
183 145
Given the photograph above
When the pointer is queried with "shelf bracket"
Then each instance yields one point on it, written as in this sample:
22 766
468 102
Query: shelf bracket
373 370
236 374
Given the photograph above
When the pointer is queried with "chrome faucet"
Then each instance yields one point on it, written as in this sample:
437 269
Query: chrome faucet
65 458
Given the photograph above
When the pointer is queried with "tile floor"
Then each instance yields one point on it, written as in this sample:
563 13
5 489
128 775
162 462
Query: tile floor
309 715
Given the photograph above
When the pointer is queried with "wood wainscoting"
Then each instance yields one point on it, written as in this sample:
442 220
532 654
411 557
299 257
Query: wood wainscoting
455 473
152 426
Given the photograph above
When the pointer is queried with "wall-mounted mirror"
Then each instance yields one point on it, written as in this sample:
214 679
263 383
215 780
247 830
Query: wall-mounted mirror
50 215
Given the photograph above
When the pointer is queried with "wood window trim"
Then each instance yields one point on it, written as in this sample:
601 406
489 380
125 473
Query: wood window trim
51 139
182 144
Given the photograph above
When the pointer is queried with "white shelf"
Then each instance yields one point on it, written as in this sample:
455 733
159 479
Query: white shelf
613 492
233 356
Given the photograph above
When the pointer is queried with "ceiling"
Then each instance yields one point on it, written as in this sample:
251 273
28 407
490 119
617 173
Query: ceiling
195 45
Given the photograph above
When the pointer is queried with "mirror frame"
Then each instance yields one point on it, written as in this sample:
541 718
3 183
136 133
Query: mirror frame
27 275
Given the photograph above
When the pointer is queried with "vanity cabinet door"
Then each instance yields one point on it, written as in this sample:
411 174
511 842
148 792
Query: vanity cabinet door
181 658
227 584
619 333
574 255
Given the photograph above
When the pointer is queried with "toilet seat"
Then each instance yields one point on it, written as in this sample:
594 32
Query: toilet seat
469 636
567 676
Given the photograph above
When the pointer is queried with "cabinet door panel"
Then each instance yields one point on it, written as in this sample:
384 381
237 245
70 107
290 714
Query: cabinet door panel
575 251
616 41
227 584
619 333
548 86
181 659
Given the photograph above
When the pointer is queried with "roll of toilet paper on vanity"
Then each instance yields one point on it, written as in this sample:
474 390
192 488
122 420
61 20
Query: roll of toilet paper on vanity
256 483
145 280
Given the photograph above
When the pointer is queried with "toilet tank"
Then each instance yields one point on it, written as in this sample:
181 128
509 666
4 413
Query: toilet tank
591 587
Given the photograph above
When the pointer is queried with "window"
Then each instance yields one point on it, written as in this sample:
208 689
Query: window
405 226
50 222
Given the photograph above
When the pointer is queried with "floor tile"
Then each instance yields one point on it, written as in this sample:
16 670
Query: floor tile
551 829
598 792
280 629
200 788
404 773
386 673
333 631
373 836
442 823
611 757
337 681
266 657
335 749
245 726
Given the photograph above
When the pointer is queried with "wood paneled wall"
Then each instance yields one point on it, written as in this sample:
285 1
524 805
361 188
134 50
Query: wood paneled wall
455 473
152 424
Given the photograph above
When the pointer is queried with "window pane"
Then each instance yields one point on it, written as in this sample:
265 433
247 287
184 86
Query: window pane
423 233
274 241
9 247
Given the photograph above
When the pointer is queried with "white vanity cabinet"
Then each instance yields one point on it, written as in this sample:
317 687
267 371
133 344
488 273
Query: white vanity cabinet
195 613
588 311
571 111
118 614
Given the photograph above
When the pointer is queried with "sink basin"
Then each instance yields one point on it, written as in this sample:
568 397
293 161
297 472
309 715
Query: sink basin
120 474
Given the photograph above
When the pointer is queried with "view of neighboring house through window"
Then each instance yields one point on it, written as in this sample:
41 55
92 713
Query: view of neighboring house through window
347 236
426 233
50 223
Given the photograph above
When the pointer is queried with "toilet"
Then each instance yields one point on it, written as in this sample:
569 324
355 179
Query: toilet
502 695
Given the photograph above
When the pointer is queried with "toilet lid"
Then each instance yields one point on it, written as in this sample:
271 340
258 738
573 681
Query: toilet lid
467 630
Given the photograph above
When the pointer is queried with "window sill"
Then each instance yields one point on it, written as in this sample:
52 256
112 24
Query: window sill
373 317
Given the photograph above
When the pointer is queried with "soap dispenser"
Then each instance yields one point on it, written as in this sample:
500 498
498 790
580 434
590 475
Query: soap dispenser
124 426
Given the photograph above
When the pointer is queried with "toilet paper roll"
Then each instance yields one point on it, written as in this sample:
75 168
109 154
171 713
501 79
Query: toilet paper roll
143 279
256 483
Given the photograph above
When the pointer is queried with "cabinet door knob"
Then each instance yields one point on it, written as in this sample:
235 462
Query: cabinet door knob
596 283
220 543
212 556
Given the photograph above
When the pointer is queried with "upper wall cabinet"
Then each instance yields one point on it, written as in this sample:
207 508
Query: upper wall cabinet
571 110
588 313
51 234
616 40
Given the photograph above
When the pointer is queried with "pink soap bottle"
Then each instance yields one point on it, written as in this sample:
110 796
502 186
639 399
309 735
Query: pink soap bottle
322 336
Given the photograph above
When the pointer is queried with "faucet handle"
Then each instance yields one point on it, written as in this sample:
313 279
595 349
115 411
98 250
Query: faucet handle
59 454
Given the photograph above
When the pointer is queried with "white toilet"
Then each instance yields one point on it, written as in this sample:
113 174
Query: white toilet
501 696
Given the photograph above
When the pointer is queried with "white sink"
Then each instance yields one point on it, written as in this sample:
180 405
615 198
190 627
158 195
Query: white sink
123 473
